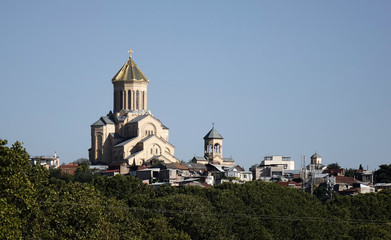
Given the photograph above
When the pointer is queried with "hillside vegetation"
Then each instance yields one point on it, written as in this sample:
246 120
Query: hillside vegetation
38 204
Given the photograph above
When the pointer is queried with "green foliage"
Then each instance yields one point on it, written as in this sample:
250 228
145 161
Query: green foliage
322 193
83 173
350 172
17 192
40 204
332 166
383 174
360 167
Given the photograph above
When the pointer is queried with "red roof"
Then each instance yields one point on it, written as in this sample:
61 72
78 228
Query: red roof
343 179
288 183
179 166
70 165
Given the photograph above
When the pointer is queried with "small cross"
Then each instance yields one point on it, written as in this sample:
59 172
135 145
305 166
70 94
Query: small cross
213 124
130 52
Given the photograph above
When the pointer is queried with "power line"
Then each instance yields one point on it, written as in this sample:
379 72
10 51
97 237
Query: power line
225 214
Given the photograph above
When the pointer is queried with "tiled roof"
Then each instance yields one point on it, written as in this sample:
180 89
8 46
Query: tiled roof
70 165
343 179
177 166
288 183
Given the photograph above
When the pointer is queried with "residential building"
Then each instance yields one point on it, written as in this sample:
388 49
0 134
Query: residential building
239 173
285 162
69 168
47 162
272 166
364 176
342 183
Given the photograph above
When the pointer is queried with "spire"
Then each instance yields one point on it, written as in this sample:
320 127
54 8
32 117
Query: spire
213 134
130 72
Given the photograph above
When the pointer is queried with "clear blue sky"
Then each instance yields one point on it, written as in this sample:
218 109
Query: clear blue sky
276 77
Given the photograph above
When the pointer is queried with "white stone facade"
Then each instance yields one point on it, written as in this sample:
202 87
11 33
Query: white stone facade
131 134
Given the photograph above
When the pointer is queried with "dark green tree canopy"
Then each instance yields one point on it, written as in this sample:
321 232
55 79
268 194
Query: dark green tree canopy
383 174
332 166
38 204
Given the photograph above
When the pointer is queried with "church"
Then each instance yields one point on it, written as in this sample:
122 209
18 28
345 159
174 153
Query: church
130 134
213 150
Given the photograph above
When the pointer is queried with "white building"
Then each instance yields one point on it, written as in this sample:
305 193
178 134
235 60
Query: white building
285 162
272 166
47 162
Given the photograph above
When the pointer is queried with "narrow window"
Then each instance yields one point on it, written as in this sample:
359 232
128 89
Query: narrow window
144 101
129 99
137 100
121 100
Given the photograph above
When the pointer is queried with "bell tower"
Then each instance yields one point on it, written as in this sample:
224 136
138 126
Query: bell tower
213 146
130 88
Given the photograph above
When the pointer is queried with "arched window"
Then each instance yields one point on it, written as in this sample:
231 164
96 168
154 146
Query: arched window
143 101
99 146
129 99
121 100
137 100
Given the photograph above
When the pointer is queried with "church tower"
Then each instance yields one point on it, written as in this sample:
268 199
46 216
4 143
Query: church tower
130 134
130 88
213 150
316 159
213 147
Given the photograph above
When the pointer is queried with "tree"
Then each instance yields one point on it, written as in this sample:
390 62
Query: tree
18 192
82 161
332 166
383 174
350 172
360 167
83 173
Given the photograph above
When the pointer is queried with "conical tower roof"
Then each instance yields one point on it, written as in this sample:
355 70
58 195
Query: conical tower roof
213 134
130 72
315 155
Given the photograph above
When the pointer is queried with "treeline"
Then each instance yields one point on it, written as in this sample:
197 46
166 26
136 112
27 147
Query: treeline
38 204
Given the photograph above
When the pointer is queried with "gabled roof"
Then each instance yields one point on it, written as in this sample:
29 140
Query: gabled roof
130 72
213 134
103 121
141 117
199 158
346 180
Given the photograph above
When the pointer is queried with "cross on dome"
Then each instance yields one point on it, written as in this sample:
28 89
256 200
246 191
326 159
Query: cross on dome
130 52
